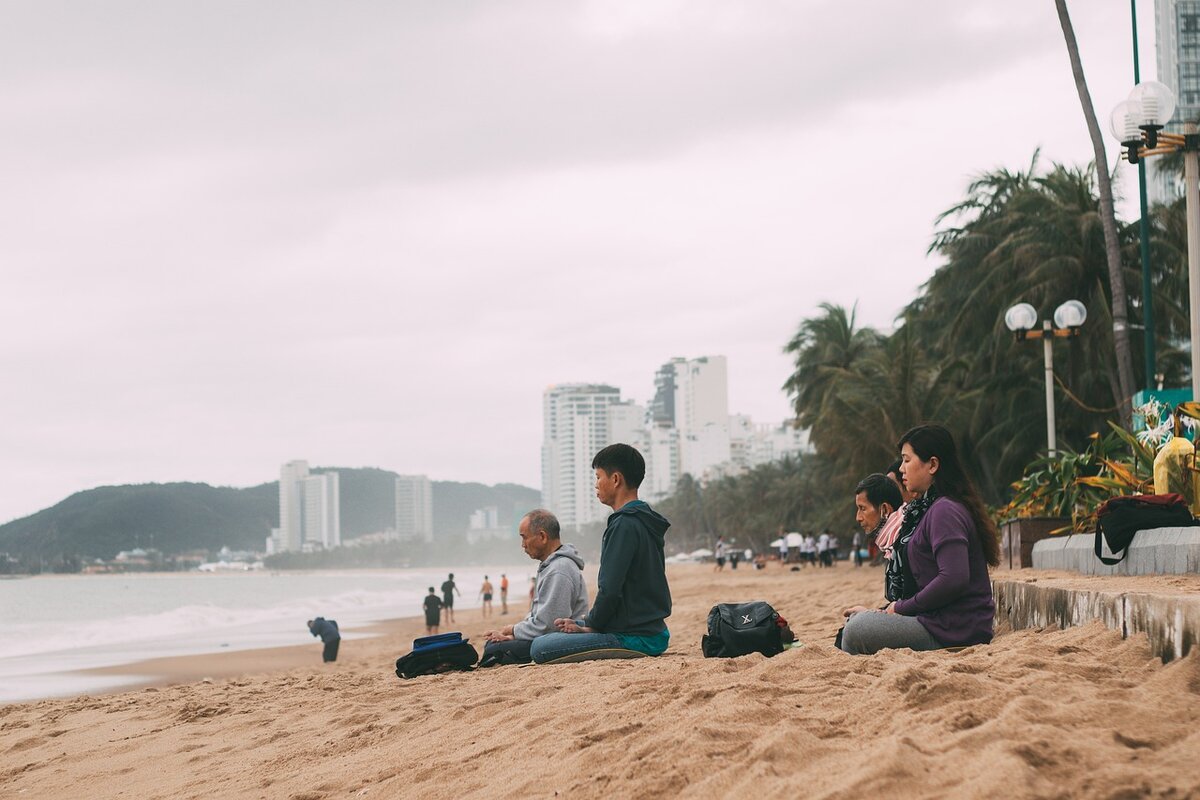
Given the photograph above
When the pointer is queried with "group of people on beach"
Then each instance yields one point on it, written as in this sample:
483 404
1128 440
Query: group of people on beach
923 513
433 606
812 550
627 619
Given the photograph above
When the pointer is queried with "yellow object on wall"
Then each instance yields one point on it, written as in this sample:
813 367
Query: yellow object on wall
1171 473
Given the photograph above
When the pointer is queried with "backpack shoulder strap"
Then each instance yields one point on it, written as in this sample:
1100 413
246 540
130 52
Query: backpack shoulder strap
1099 545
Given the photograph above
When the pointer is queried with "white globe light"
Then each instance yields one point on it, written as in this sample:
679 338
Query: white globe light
1070 314
1156 103
1021 317
1126 118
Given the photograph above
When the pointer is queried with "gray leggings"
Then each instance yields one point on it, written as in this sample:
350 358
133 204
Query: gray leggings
869 632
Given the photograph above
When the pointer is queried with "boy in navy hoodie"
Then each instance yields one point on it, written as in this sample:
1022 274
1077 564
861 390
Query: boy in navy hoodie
628 617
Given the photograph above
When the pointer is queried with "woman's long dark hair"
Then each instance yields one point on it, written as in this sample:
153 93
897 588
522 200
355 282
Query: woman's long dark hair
952 481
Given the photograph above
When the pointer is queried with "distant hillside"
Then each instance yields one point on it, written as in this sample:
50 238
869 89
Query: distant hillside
171 517
177 517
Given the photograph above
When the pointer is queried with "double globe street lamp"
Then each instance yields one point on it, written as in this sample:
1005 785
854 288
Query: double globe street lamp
1022 319
1138 124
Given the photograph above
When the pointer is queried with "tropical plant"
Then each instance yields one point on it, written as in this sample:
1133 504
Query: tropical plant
1075 485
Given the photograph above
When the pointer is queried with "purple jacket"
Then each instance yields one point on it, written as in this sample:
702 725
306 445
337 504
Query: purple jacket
954 596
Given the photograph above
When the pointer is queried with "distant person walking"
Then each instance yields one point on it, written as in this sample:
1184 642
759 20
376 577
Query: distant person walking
734 555
449 587
433 612
327 629
857 543
485 593
719 566
823 549
503 594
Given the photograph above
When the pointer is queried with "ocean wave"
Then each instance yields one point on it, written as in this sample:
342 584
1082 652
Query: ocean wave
205 618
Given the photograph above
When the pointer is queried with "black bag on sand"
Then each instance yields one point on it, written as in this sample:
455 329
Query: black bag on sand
446 652
735 629
1121 517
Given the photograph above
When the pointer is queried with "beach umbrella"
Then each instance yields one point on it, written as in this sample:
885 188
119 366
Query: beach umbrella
702 553
776 543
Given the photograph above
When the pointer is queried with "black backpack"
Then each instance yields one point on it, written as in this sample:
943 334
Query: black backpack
735 629
446 652
1121 517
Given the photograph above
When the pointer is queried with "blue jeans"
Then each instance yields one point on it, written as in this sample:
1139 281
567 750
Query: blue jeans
556 645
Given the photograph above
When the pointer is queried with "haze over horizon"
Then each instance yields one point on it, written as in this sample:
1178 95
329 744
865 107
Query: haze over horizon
371 235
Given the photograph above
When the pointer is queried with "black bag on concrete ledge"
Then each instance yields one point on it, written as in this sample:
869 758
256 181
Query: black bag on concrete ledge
1121 517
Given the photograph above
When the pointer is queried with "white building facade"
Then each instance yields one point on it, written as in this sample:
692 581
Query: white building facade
685 429
692 399
322 511
414 508
309 510
575 426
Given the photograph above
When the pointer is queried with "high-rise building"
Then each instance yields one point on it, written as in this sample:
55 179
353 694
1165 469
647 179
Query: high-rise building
414 507
662 407
309 510
575 425
700 403
662 463
686 429
627 423
291 505
322 511
1177 35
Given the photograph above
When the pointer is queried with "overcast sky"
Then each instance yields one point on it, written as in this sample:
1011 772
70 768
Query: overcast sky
370 234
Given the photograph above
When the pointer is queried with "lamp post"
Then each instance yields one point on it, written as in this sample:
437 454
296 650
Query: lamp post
1148 344
1138 124
1022 319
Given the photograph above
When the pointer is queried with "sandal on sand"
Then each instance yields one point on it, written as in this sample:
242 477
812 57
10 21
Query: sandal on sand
594 655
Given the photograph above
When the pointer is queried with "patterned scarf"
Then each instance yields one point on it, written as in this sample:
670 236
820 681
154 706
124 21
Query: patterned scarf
898 580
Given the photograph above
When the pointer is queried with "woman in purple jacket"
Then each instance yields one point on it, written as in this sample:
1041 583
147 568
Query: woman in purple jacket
938 580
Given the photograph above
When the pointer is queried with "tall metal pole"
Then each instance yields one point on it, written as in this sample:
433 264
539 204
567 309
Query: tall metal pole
1191 176
1048 354
1144 231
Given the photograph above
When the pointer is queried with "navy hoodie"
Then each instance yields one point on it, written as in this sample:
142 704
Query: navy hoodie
632 596
327 629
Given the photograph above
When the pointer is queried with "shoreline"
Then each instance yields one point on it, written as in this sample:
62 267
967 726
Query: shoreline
231 664
155 629
261 662
400 631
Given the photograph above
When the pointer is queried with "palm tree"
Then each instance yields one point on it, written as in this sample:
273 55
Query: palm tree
1108 219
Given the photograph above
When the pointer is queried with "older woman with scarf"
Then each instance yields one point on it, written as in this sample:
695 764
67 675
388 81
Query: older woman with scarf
937 579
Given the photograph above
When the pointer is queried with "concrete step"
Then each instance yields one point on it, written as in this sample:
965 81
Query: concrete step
1170 622
1162 551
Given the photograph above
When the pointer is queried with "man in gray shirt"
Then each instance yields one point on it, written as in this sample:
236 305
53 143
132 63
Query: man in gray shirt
559 591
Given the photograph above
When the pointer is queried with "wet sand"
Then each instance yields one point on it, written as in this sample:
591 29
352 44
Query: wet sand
1038 713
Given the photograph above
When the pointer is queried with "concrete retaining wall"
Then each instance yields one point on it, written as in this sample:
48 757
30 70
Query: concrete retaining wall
1164 551
1171 622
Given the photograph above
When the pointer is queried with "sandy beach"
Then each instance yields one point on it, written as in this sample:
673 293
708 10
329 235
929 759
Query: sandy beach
1038 713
